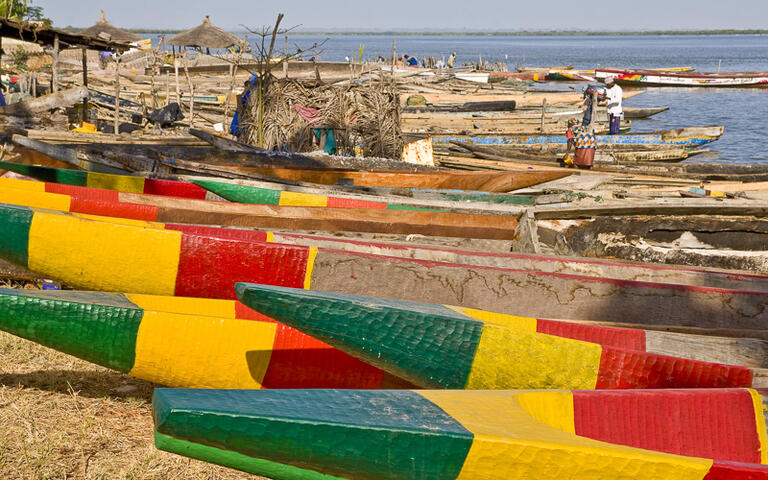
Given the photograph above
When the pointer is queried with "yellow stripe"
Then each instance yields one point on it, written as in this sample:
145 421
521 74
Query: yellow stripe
104 256
760 409
295 199
310 267
185 305
509 443
19 184
35 199
123 183
511 358
121 221
522 323
270 237
554 409
202 352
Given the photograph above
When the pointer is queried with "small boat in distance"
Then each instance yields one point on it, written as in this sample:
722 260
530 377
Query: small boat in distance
649 78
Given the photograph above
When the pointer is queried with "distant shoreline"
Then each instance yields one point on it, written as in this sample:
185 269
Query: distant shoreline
535 33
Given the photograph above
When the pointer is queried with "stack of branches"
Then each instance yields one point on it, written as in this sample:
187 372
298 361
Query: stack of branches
360 114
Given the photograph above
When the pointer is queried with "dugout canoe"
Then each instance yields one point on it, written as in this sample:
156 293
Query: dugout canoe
159 261
437 346
682 79
489 123
182 342
122 183
533 99
484 181
203 212
685 137
492 435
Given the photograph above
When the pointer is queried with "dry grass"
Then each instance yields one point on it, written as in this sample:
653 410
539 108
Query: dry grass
59 420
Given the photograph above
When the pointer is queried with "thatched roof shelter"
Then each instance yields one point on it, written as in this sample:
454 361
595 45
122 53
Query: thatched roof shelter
205 35
105 30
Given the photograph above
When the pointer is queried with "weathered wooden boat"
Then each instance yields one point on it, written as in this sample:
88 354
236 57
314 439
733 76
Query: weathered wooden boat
436 346
182 342
123 183
633 113
485 181
697 434
681 137
112 203
521 100
696 79
570 74
476 77
501 106
169 262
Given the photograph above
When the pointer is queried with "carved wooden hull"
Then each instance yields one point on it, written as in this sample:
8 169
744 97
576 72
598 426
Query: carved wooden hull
443 434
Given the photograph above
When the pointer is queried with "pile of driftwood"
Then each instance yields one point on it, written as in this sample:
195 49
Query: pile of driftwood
365 115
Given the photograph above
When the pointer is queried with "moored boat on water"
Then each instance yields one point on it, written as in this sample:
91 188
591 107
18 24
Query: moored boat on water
675 79
447 435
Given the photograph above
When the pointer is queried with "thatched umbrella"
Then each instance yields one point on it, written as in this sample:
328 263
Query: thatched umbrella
105 30
206 35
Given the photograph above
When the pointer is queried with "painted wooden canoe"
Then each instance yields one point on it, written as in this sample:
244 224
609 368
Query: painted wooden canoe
491 435
436 346
203 212
485 181
687 137
165 262
182 342
521 100
674 79
123 183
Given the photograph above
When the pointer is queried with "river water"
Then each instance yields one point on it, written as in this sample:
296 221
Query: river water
743 112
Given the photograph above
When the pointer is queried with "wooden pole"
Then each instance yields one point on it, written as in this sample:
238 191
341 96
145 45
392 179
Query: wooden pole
394 58
85 84
191 91
176 72
543 113
55 66
117 96
594 112
167 88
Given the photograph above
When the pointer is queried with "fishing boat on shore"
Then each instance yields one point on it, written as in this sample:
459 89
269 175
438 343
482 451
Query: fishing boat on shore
647 78
447 435
437 346
182 342
160 260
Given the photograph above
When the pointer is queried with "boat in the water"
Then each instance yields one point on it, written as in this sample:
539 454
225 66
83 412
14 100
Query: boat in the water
161 260
649 78
182 342
680 137
437 346
686 434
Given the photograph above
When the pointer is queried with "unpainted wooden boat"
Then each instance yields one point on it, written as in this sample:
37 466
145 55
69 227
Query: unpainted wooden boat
182 342
484 181
521 100
444 123
682 79
159 261
152 208
437 346
696 434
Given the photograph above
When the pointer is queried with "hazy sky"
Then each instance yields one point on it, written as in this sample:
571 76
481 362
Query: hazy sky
418 14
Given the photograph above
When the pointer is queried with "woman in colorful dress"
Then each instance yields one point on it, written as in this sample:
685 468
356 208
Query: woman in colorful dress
583 141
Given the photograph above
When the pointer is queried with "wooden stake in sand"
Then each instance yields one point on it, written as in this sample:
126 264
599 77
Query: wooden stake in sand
55 66
191 91
117 96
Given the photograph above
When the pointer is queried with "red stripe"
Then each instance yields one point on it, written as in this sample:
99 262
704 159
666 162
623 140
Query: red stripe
301 361
132 211
209 267
84 192
219 232
629 338
737 471
630 369
716 423
170 188
341 202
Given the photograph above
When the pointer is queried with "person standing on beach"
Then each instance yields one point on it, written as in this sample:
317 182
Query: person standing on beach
613 95
451 60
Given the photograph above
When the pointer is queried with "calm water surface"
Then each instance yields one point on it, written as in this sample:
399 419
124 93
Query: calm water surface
742 111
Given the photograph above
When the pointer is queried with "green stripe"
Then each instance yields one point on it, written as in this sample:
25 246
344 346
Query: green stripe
346 433
241 193
101 334
238 461
14 233
494 199
48 174
392 206
429 345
